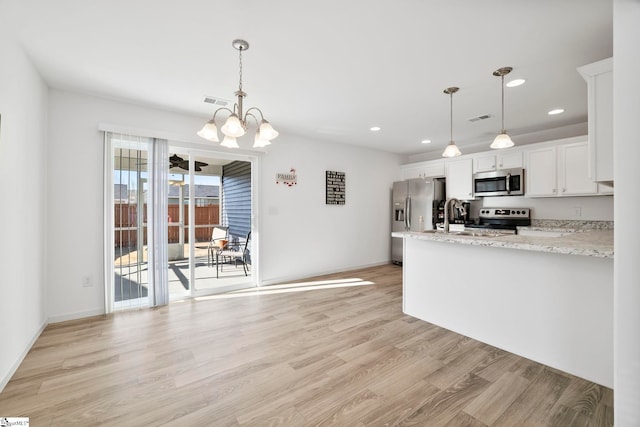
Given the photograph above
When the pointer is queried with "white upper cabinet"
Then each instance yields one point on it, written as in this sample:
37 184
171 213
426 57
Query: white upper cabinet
459 174
573 170
485 163
540 173
411 173
491 162
605 189
510 160
599 77
434 168
552 169
559 170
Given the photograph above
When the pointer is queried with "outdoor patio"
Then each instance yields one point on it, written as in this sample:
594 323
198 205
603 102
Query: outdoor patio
131 281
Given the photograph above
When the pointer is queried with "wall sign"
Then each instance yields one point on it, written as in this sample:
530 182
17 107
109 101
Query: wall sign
335 188
289 179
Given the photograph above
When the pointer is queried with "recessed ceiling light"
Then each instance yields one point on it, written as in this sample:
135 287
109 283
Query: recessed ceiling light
556 111
515 82
426 141
374 129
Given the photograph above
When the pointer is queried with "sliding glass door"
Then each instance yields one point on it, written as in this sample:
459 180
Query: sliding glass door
128 207
161 215
197 211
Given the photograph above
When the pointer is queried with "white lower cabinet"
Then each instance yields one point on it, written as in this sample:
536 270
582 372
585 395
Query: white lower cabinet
561 170
459 175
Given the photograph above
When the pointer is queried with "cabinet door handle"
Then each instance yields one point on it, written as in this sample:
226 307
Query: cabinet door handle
564 190
554 190
500 164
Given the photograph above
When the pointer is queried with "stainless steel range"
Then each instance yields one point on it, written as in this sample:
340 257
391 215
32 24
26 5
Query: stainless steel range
503 219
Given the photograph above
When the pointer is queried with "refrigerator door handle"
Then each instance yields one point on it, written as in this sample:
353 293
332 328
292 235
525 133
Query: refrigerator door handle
407 213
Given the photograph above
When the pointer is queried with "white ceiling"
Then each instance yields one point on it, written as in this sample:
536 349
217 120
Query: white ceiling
331 69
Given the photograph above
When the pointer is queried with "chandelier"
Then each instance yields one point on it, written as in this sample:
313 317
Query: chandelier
236 124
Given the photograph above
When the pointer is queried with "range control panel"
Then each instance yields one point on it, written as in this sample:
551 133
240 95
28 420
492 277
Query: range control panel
504 213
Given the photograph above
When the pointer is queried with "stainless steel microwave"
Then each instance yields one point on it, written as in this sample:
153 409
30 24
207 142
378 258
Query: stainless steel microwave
506 182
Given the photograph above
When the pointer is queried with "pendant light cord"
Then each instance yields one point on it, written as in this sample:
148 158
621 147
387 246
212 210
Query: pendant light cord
451 118
502 83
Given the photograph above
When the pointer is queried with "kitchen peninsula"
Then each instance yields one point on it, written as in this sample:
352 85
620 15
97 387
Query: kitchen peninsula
543 294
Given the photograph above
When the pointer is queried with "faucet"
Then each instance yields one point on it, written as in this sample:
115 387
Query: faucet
457 205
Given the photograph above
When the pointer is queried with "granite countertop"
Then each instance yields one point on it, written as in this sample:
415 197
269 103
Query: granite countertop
571 241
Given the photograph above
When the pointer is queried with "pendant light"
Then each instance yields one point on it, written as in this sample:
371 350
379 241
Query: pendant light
503 140
452 149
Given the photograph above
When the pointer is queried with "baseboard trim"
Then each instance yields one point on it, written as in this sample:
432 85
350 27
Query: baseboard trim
77 315
21 357
320 273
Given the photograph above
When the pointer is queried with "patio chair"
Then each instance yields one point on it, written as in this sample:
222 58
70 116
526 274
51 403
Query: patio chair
219 235
239 254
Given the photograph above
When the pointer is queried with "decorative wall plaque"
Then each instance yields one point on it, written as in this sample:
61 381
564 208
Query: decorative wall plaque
335 188
289 179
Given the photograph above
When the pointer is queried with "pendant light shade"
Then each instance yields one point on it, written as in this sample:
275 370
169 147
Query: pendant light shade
502 140
209 131
266 131
232 127
452 149
259 141
229 142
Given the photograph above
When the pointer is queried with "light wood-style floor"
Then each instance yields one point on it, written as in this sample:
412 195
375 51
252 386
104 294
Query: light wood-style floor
335 350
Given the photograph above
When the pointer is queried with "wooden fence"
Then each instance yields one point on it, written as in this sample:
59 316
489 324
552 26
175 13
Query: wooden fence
126 220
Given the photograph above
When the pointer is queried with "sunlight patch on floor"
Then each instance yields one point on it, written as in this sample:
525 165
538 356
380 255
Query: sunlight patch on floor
290 287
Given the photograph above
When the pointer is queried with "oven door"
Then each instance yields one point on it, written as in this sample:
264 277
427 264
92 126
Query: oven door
508 182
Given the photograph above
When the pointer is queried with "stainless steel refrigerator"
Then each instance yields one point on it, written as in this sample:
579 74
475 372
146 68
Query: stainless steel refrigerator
411 200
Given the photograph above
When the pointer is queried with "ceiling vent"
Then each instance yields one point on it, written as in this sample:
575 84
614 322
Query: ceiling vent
217 101
478 118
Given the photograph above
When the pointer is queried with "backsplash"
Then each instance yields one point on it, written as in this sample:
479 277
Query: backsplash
587 208
577 224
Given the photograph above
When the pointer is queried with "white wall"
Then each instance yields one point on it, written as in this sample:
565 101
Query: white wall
75 189
299 234
626 129
305 236
23 149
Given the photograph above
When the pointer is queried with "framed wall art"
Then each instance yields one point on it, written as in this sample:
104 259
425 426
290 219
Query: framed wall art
336 188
